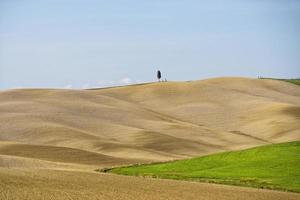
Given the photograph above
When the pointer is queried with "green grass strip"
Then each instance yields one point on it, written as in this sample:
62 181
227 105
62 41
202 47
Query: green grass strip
274 166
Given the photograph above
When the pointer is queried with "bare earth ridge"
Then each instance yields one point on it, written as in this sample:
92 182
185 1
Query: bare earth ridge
52 140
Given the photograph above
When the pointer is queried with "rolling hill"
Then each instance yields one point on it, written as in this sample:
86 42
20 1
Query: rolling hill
83 130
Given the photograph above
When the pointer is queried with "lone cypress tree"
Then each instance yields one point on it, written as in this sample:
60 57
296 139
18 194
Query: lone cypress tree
158 75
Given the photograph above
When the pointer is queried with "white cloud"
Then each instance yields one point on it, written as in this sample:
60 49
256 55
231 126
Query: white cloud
69 86
85 86
105 83
111 82
18 87
102 82
122 81
126 80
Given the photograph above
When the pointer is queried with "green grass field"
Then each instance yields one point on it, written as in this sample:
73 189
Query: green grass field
274 166
294 81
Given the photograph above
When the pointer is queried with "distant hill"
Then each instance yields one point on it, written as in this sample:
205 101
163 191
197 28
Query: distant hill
149 122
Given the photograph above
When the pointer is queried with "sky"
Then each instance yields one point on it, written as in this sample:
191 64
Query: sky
100 43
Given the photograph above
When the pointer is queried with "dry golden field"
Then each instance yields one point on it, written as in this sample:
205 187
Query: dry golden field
53 140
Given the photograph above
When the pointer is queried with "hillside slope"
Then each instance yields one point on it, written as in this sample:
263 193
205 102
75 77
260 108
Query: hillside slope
51 140
148 122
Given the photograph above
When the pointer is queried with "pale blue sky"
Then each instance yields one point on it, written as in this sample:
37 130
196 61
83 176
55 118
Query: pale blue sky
89 43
